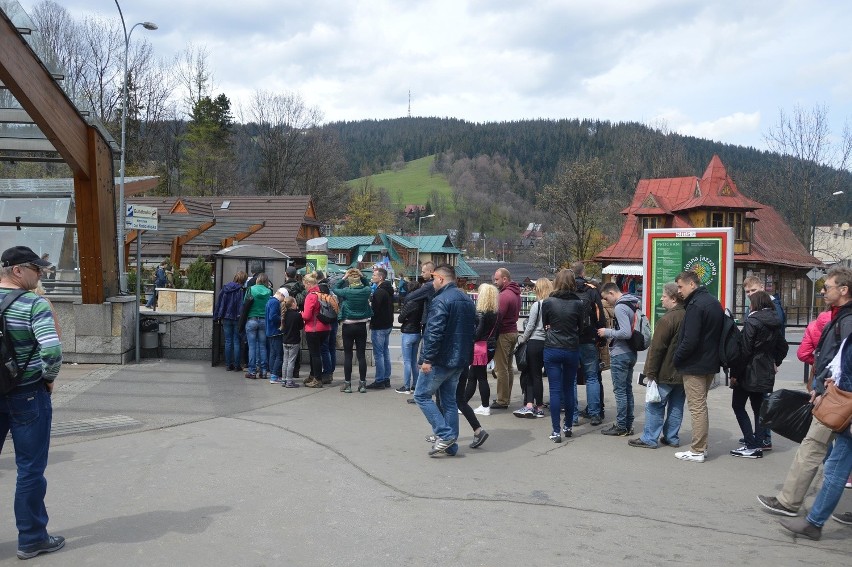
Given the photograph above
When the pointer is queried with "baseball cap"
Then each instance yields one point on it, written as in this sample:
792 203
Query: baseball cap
283 291
18 255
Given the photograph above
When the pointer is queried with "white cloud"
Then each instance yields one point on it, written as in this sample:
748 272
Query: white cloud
711 69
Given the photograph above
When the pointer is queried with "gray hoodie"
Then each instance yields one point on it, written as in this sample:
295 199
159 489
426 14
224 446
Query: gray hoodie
624 321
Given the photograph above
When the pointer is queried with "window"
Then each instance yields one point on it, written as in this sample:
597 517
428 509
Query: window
341 259
731 219
649 222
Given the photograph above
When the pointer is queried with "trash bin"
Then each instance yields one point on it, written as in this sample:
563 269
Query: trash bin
148 333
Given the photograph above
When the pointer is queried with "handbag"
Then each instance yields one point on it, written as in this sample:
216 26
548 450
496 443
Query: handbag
521 356
834 408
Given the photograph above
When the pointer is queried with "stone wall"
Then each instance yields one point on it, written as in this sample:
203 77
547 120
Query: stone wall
187 336
96 333
170 300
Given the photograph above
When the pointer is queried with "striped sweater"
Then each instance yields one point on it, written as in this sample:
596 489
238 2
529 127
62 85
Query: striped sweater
29 322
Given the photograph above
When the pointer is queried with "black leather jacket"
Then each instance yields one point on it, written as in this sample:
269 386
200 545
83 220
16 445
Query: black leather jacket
564 317
411 315
764 348
487 328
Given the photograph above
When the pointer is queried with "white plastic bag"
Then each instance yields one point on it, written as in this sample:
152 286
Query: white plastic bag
652 394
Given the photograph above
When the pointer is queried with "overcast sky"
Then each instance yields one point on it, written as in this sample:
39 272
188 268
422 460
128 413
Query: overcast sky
713 69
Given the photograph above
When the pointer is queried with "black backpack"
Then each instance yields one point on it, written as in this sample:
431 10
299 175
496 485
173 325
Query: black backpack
10 372
731 344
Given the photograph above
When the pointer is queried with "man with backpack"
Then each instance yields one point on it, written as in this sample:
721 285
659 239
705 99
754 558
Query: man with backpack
589 360
32 357
622 356
697 357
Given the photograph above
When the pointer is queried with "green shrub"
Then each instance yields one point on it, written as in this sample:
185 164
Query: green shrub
199 275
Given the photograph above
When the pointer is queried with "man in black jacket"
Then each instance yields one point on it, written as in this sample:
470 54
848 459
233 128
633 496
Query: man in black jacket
589 360
697 357
381 326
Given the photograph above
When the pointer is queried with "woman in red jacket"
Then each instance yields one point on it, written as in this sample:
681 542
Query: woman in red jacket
316 332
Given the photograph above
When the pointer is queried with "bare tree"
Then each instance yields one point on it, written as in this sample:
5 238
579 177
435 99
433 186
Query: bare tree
813 165
284 138
193 74
575 198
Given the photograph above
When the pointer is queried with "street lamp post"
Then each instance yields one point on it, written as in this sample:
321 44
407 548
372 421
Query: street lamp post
417 262
122 273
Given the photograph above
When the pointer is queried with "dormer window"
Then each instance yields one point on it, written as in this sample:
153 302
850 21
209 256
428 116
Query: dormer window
650 222
734 220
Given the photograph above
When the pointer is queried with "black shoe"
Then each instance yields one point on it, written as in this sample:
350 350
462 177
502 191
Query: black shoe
410 401
51 544
616 431
495 405
378 385
596 421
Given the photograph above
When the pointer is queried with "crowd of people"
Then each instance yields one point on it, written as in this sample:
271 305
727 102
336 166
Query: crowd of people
573 330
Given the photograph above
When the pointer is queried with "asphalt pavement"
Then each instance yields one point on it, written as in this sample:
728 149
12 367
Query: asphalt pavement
178 463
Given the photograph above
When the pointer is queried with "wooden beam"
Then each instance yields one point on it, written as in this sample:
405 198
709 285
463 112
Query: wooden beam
95 200
249 231
32 85
138 186
179 241
129 238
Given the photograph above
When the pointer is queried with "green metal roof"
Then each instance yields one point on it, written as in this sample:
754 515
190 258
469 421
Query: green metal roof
463 270
436 243
404 242
348 242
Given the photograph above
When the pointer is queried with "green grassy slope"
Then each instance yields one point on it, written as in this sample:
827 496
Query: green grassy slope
413 182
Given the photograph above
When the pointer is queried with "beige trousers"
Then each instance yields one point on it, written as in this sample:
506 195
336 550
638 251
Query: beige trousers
696 387
503 366
805 464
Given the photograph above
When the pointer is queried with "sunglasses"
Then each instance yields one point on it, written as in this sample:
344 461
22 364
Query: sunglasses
36 269
828 287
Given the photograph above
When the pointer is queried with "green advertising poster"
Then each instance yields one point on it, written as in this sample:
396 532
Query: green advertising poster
315 262
671 256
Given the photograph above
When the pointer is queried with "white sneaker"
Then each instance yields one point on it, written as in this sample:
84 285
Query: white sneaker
482 410
690 456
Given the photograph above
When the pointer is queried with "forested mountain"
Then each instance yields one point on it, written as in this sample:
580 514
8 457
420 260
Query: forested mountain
530 153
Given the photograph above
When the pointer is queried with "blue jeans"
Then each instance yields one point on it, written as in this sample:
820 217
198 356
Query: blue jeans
561 366
621 368
591 366
256 337
28 415
328 350
444 382
232 342
381 352
276 355
835 472
410 346
672 398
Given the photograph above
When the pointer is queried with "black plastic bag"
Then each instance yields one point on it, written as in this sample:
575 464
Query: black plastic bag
788 413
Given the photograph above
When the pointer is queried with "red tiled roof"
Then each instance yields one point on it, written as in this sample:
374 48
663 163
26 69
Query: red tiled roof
773 242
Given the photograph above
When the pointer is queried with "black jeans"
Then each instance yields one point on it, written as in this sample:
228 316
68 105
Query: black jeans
466 379
315 341
534 388
739 397
478 376
355 334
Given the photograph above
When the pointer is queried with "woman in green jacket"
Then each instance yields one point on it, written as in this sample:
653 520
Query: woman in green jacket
256 327
353 291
